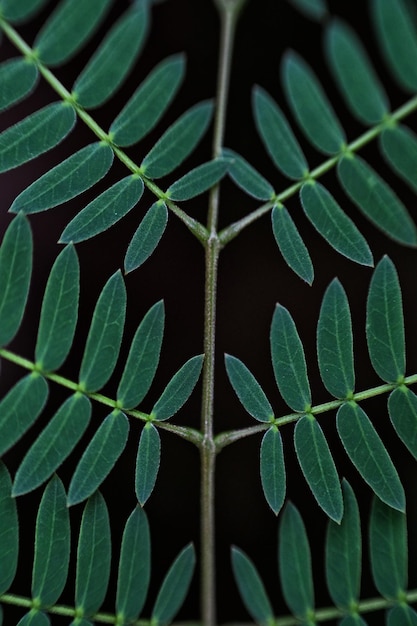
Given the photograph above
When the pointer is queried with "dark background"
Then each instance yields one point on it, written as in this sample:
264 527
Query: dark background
253 278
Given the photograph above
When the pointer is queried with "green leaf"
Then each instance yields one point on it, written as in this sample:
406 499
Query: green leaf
385 323
198 180
397 38
248 390
20 408
59 311
402 615
402 407
295 563
67 180
174 587
15 271
318 467
314 9
99 457
179 389
251 588
81 622
354 74
114 59
9 532
53 445
149 102
134 567
288 361
35 134
52 545
18 78
344 553
147 462
376 200
93 556
105 210
277 136
335 342
291 245
147 236
105 335
34 618
368 454
310 105
20 10
143 358
399 147
352 620
246 177
68 29
333 224
273 469
177 143
388 550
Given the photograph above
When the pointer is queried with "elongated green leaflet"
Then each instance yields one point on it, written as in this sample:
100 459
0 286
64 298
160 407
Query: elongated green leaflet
147 236
67 180
295 563
52 545
134 567
105 210
53 445
368 454
248 390
352 620
291 245
288 361
17 79
198 180
246 177
333 224
34 618
15 271
178 141
20 10
143 358
59 311
335 342
174 587
99 457
399 147
272 469
402 615
147 462
34 135
277 136
149 102
251 588
314 9
402 407
105 335
318 467
93 556
20 408
9 532
179 389
388 550
385 323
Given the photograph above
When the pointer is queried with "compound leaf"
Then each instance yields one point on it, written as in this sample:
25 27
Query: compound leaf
147 462
246 177
147 236
251 588
399 147
9 532
402 407
272 469
291 245
248 390
179 389
198 180
18 78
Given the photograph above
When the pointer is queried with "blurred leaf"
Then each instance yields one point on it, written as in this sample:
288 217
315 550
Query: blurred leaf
198 180
314 9
99 457
402 407
277 136
93 556
310 105
385 323
34 618
52 545
402 615
147 236
53 445
288 361
59 311
368 454
9 532
20 10
248 390
149 102
179 389
35 134
333 224
143 358
177 143
15 272
18 78
246 177
105 210
335 342
273 469
251 588
352 620
67 180
105 335
291 245
399 147
147 462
